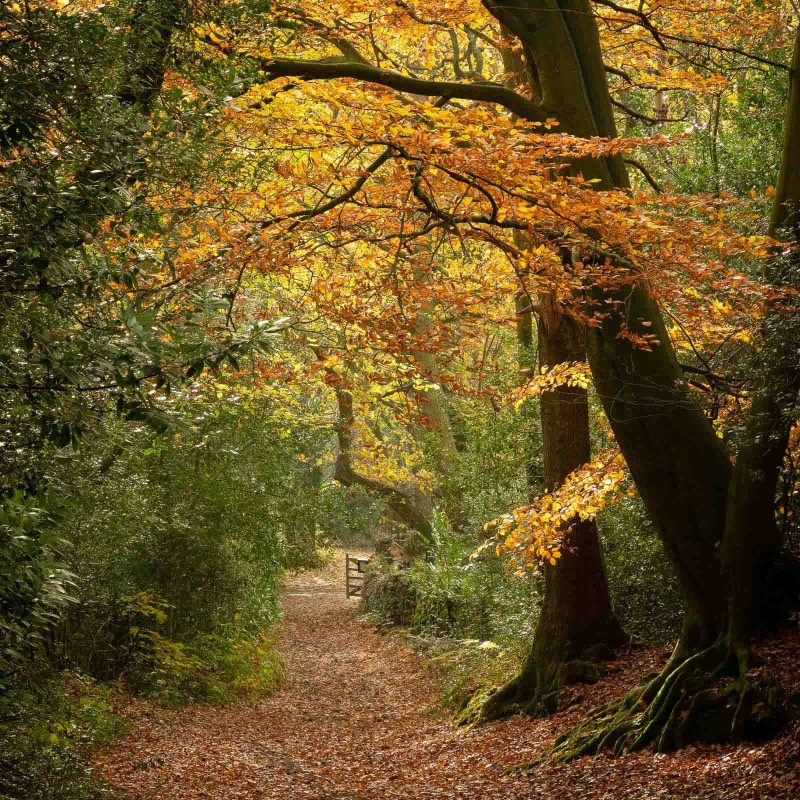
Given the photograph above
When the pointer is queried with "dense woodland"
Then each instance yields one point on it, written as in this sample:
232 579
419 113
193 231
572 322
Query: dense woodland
503 294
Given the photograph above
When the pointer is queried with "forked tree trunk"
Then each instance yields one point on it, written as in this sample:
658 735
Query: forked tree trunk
680 467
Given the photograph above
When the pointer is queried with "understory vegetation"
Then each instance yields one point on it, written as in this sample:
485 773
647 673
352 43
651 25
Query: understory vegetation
472 619
503 293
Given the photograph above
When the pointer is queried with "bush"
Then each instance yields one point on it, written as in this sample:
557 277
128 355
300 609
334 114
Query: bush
450 595
207 667
641 579
34 581
388 595
46 733
466 672
213 667
179 542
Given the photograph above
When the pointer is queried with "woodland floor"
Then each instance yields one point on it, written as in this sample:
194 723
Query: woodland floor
352 722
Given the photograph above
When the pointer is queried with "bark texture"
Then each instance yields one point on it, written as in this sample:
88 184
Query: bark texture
576 618
576 623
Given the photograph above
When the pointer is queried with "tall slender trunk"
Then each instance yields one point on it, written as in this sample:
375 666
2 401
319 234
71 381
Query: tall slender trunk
576 613
576 610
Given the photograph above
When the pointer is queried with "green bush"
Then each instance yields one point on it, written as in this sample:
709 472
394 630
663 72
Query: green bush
466 672
34 581
206 667
195 527
46 733
450 595
213 667
641 579
388 595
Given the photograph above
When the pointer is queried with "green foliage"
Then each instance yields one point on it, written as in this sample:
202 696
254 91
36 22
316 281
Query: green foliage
207 667
212 667
85 330
734 139
46 733
499 452
34 581
466 672
388 595
179 542
450 595
643 586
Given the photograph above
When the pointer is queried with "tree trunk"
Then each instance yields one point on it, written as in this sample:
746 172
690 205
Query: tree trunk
679 466
576 614
752 539
576 621
408 505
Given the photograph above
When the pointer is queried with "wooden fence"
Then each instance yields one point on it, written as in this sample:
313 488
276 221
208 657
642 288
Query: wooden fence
354 574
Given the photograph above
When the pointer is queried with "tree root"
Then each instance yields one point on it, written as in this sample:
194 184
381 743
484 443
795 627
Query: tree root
706 697
519 696
535 696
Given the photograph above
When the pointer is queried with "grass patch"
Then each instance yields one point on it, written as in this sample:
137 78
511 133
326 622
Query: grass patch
466 672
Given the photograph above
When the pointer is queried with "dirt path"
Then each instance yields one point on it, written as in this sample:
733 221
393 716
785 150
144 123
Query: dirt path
350 723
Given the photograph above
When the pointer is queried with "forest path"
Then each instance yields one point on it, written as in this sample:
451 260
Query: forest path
350 723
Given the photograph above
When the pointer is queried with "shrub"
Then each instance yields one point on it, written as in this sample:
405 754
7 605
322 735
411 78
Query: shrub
641 579
212 668
466 672
450 595
34 581
388 595
46 733
207 667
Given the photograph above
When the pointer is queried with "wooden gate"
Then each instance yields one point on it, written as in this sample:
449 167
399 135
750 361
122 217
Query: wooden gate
354 574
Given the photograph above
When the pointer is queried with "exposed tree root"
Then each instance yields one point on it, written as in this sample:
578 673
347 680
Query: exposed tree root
538 694
706 697
520 696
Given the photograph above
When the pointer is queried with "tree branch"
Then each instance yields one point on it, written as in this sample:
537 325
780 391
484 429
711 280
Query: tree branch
478 91
400 502
643 20
645 173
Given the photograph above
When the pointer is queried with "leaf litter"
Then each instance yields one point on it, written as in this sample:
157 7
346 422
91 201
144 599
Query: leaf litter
352 722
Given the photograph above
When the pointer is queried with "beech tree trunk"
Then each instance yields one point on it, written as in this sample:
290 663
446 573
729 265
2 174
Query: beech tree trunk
576 613
680 467
576 621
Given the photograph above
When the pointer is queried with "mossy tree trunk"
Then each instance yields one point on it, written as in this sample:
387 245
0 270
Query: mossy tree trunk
701 507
